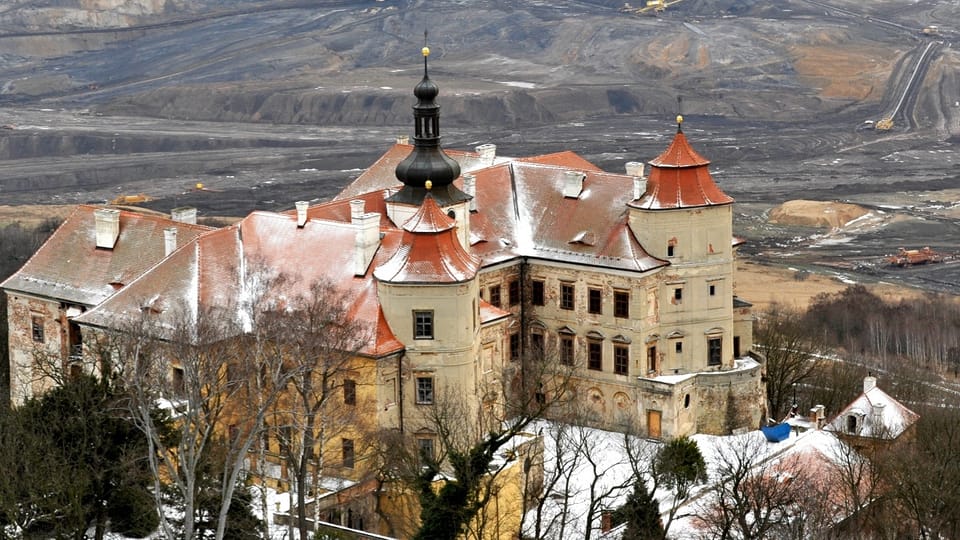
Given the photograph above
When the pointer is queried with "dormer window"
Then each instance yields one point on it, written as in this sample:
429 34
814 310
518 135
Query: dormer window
851 424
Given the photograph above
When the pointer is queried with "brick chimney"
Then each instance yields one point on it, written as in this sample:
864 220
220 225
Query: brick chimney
184 214
572 184
107 224
869 383
635 169
488 153
169 240
470 188
367 236
302 213
403 139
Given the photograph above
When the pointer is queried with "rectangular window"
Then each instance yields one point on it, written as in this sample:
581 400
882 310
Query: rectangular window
425 446
36 326
678 346
678 295
621 359
594 301
652 358
514 347
566 296
536 345
513 289
537 294
670 251
713 290
595 355
423 324
348 454
495 295
349 392
714 351
566 350
391 390
621 304
424 390
177 381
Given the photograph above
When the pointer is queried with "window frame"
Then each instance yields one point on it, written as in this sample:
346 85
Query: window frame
348 450
513 291
494 293
678 347
678 294
712 289
621 360
425 390
36 329
538 344
595 355
538 293
567 350
621 304
422 448
514 346
349 392
568 294
595 300
423 329
715 351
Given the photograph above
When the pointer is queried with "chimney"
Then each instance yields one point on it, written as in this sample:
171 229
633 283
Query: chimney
470 188
107 223
488 152
169 240
367 238
572 184
301 213
184 214
635 168
818 415
606 521
869 383
403 139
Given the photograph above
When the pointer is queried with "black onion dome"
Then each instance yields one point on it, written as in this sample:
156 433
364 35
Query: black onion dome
427 161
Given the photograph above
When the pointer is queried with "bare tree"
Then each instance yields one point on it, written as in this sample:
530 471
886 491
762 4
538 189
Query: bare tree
790 351
551 494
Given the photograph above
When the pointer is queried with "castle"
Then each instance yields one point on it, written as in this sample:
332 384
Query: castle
459 263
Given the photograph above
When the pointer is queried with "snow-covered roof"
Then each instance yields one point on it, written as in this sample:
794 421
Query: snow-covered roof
873 414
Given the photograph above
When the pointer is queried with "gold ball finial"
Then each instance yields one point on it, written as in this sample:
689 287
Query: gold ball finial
428 184
679 119
425 51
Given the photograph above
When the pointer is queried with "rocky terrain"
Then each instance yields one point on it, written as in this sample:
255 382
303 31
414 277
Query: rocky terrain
270 101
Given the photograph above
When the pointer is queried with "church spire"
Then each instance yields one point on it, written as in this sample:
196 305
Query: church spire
427 161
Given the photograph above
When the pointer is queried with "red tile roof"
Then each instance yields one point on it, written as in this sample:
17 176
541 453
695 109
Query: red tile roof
70 267
430 251
680 178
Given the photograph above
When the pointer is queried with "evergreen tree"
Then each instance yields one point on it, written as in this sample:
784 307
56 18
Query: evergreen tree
641 513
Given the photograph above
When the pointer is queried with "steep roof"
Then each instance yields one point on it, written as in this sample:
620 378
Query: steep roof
680 178
70 267
429 252
877 416
265 253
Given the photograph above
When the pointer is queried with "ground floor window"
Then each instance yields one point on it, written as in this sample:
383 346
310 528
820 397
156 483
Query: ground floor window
714 351
621 360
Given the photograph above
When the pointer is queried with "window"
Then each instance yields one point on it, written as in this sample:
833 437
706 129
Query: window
669 251
713 290
36 325
425 390
537 293
177 381
514 346
425 446
714 351
621 304
566 296
851 424
678 295
594 301
736 346
686 401
678 346
595 355
566 350
349 392
536 345
348 453
423 324
652 358
513 289
495 295
621 360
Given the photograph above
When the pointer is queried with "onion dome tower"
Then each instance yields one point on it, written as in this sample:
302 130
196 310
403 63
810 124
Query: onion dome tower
427 161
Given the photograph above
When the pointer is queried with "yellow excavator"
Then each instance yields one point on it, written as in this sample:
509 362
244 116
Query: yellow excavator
885 124
655 5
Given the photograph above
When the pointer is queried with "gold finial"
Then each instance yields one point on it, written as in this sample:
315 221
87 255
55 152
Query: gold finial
679 119
428 184
425 51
